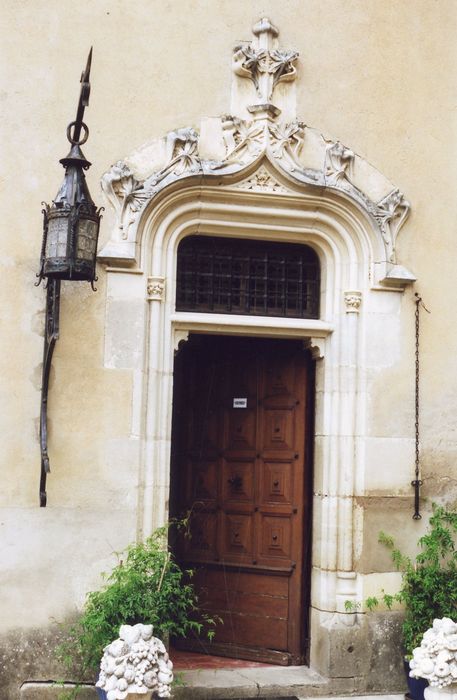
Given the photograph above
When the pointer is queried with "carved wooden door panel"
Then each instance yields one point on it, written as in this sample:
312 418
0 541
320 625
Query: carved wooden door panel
239 468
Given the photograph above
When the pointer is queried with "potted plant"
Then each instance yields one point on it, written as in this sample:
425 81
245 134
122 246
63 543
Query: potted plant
146 586
429 584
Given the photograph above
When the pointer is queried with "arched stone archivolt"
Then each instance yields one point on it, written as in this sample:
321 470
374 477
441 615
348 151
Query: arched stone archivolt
266 175
253 175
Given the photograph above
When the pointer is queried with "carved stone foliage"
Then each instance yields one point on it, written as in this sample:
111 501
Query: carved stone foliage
338 158
390 214
128 195
156 288
262 63
261 181
239 143
352 301
245 141
125 194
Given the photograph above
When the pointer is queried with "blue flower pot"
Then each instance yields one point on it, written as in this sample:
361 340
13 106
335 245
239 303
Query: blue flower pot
416 686
101 694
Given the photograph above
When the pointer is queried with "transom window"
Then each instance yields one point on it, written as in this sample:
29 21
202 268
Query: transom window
233 276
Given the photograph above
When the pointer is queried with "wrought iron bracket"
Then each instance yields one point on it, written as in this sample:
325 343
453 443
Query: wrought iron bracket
51 334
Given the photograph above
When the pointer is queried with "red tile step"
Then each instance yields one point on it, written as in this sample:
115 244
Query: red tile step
191 661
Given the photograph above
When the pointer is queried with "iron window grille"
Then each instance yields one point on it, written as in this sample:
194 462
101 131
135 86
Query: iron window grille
233 276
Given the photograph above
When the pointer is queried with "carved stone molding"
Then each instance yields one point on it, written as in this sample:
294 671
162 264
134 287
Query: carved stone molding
234 144
179 338
352 301
156 288
316 346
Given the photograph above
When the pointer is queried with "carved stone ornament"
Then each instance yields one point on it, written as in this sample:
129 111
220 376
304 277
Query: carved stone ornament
234 143
261 181
125 194
391 214
156 288
180 337
135 664
262 63
436 657
316 347
352 301
338 160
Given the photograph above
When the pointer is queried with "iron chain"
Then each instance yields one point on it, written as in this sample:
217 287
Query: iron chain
417 483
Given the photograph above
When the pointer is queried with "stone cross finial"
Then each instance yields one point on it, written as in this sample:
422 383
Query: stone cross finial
264 64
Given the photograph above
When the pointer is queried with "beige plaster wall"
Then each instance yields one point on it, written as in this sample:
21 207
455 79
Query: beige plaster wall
379 76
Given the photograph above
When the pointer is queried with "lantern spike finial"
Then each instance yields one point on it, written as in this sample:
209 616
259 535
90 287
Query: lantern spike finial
83 101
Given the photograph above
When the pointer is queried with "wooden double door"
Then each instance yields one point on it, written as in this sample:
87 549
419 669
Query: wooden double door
241 456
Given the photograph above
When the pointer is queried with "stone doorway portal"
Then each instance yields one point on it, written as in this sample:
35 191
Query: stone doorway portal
241 456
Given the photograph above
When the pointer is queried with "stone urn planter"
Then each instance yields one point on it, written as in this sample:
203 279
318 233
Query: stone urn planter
136 665
435 660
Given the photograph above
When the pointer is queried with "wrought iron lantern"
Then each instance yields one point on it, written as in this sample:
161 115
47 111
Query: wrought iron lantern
71 223
69 248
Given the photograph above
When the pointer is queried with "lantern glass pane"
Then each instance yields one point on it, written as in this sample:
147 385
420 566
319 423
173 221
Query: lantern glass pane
87 239
56 242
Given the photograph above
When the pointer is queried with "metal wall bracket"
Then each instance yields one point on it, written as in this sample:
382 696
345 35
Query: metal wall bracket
51 334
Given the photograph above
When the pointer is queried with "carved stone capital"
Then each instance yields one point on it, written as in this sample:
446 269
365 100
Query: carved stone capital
156 288
352 301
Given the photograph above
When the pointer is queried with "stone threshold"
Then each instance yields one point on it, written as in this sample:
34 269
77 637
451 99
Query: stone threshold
270 683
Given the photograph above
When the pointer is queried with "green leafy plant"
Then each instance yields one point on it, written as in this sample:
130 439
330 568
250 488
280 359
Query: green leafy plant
429 581
148 586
